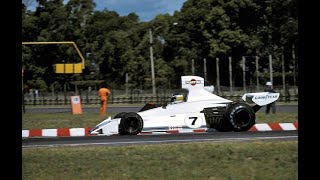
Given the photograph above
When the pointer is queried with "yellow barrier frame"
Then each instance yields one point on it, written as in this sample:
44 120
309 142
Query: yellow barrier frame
65 42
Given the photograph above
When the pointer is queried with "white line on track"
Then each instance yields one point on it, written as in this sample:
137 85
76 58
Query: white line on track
165 141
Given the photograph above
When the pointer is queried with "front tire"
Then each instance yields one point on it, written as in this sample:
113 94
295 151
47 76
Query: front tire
120 115
130 124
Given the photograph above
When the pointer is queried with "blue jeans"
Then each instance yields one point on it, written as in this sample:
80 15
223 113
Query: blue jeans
272 106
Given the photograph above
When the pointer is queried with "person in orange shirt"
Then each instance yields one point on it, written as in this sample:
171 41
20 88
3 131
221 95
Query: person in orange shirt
103 94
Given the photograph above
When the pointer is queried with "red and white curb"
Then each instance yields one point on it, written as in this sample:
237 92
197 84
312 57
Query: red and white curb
56 132
275 127
63 132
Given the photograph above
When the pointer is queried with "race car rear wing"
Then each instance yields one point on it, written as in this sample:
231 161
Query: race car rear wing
261 98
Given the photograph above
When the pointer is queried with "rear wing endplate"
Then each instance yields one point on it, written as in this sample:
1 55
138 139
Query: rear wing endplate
261 98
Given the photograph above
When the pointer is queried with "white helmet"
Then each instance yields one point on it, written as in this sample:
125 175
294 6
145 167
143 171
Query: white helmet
269 83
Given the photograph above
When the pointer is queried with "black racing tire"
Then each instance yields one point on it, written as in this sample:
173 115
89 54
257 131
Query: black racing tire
130 124
120 115
241 116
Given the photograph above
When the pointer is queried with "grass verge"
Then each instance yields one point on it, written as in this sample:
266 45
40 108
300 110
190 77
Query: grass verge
62 120
279 117
245 160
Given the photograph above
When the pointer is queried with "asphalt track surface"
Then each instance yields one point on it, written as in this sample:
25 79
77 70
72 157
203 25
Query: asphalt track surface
117 140
280 108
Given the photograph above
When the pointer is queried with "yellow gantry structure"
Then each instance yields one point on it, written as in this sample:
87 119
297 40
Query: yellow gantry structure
68 67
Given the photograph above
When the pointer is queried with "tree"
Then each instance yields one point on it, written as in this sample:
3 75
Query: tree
120 44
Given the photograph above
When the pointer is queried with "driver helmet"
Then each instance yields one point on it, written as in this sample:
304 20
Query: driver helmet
268 83
177 98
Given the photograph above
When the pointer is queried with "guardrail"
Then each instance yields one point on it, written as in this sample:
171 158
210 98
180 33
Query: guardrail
141 99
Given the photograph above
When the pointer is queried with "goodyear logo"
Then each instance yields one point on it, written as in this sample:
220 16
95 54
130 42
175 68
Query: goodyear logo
265 97
193 82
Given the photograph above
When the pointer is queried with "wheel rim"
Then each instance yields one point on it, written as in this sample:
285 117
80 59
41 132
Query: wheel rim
131 125
242 118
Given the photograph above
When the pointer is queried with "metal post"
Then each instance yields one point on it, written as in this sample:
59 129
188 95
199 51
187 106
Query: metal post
244 73
270 67
52 90
23 106
192 66
152 64
230 75
205 69
257 73
218 77
283 72
87 95
76 89
151 57
127 79
65 92
294 65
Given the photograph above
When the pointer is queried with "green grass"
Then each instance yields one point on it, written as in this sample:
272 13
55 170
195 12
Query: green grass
245 160
62 120
68 120
287 103
279 117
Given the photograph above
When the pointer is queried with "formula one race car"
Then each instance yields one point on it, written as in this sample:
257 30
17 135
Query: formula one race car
193 110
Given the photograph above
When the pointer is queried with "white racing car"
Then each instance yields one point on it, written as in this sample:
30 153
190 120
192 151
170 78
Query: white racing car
196 109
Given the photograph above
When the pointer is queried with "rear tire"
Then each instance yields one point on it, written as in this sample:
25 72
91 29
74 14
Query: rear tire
234 117
241 116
